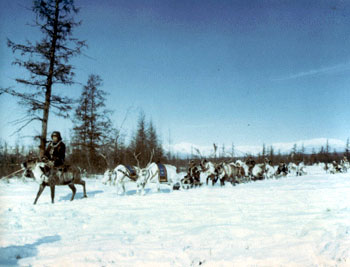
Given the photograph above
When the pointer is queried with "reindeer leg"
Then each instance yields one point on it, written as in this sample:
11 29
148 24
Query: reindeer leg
81 182
222 181
52 188
41 189
123 186
213 180
74 190
143 189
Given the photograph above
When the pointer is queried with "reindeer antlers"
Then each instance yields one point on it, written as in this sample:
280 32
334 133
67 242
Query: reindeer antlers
150 161
137 158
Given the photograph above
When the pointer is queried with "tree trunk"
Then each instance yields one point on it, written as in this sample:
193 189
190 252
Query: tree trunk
47 103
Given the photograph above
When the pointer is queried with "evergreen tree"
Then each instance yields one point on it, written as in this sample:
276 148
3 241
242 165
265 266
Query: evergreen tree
47 62
327 149
138 143
347 148
92 125
146 143
264 150
232 150
154 144
272 154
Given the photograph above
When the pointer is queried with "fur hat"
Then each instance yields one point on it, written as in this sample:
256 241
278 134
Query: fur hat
58 134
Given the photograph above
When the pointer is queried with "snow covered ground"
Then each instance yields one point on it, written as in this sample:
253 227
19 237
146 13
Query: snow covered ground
293 221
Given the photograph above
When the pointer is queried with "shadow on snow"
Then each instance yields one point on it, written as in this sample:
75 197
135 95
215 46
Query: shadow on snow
9 256
148 191
78 195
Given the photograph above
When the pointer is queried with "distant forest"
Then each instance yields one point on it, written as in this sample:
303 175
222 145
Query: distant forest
97 158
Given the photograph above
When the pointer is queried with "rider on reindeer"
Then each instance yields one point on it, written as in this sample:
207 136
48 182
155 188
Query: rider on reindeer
55 154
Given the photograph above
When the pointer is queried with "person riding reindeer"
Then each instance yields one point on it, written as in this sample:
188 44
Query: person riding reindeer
194 173
55 153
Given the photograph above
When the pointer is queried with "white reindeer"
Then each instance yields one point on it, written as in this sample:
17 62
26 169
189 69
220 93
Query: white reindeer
107 177
293 169
345 165
123 174
262 171
301 169
151 174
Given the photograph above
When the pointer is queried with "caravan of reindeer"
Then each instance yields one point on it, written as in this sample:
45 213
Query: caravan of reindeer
334 167
234 172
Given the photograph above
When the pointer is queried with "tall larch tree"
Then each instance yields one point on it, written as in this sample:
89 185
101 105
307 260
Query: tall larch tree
47 62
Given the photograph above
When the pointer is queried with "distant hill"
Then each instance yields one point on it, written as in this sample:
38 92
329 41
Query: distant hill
184 150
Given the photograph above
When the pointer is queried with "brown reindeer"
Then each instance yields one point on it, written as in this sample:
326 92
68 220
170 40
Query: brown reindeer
47 176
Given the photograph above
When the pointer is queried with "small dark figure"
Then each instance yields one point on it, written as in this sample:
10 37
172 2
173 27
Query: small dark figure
282 169
336 166
192 177
250 163
194 173
55 152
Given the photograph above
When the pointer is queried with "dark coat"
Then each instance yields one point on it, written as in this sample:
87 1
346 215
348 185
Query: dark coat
56 153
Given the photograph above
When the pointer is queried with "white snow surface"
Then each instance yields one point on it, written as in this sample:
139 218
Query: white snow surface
293 221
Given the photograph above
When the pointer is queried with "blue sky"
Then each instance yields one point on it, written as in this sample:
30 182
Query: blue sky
248 72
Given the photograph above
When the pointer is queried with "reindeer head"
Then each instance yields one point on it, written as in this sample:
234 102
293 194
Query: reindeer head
37 170
219 168
204 164
28 167
107 176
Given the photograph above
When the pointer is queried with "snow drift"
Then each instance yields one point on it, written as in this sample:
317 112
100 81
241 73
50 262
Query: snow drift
294 221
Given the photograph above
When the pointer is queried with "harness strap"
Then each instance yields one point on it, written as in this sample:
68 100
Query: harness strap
150 178
134 178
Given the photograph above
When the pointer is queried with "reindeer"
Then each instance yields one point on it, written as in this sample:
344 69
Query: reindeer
207 167
282 170
295 169
123 174
230 172
192 178
107 177
210 169
245 167
152 174
301 169
45 176
345 165
262 171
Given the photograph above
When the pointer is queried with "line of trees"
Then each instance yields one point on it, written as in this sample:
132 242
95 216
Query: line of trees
144 142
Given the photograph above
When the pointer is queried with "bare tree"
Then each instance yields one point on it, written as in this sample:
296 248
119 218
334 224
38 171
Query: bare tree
47 62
